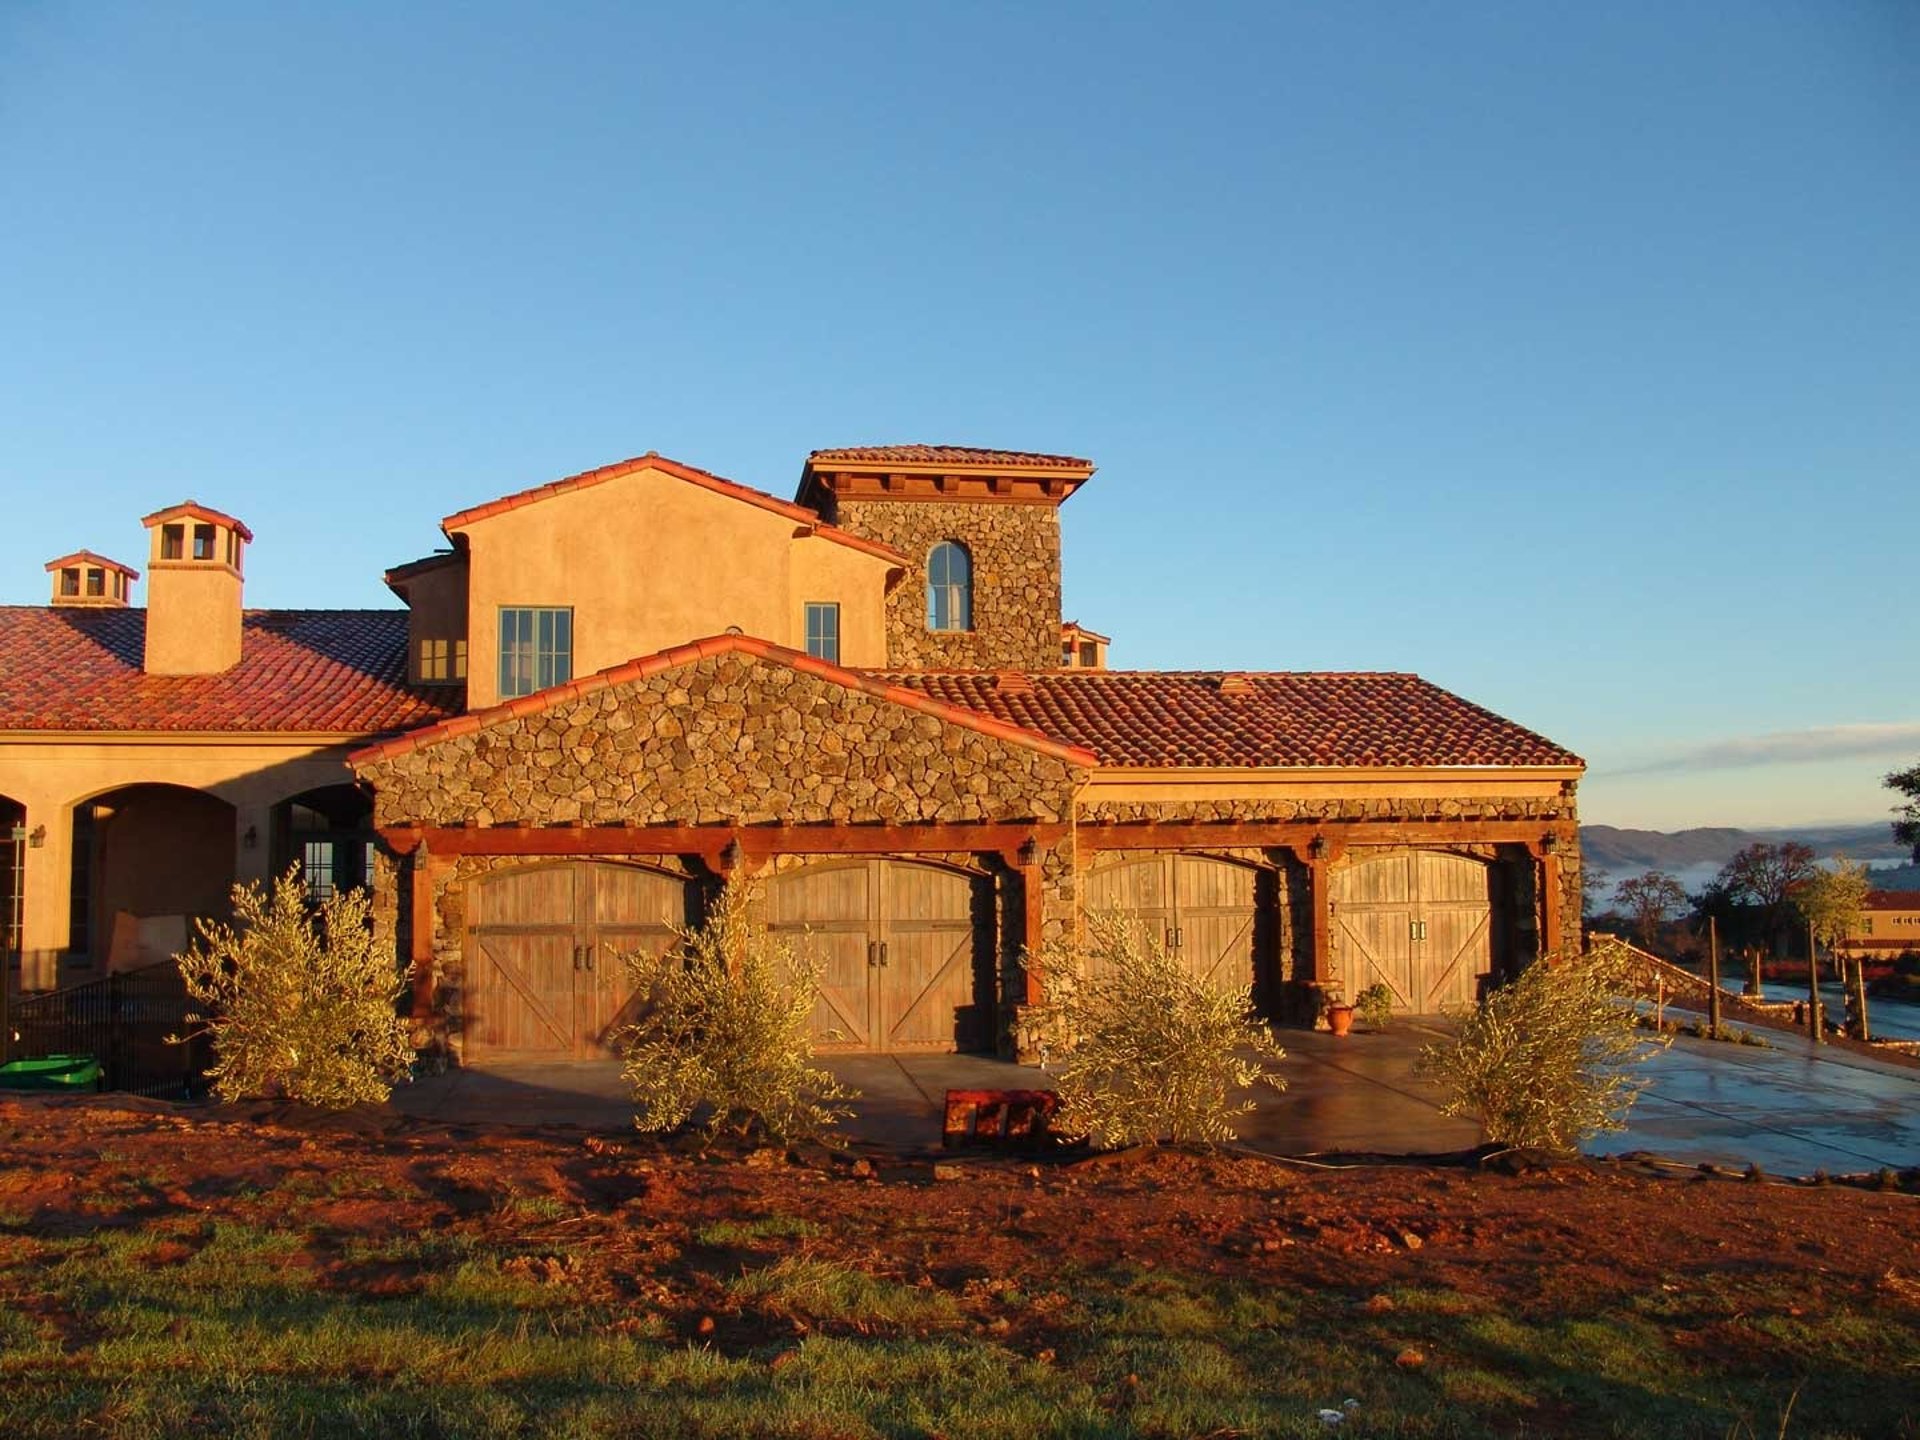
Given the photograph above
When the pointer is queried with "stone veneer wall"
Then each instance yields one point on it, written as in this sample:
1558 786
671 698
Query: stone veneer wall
1016 581
724 740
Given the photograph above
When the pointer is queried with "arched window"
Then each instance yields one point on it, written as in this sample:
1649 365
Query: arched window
949 587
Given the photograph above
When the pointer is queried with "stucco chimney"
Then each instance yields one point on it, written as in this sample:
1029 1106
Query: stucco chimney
93 582
193 590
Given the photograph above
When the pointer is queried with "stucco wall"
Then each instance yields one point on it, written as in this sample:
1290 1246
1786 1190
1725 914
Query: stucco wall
193 617
646 561
1016 581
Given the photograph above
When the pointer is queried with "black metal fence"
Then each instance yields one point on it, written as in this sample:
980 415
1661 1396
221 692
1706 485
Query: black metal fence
123 1021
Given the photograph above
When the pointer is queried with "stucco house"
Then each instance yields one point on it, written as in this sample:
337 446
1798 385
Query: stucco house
1889 926
609 692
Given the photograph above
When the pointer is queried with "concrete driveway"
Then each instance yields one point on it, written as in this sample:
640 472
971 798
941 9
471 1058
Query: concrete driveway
1789 1109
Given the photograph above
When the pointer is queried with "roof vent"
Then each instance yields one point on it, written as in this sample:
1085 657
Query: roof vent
1013 682
1236 685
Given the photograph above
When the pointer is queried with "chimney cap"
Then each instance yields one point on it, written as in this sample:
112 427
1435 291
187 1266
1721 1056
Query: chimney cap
87 557
194 510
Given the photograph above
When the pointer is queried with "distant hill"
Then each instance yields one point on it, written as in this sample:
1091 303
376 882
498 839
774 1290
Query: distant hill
1694 855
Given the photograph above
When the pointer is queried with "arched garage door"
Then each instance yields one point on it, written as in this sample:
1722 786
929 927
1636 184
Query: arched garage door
1205 911
1419 921
906 950
544 974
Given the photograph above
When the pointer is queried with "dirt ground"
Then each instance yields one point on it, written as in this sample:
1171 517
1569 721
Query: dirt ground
638 1226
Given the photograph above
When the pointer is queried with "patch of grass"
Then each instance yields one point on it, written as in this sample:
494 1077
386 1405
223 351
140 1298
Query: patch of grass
798 1287
539 1207
761 1227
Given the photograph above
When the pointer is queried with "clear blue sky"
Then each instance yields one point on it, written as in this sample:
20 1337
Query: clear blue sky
1567 354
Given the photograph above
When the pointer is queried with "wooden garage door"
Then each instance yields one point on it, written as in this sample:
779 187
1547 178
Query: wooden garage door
1205 911
905 949
1419 921
544 947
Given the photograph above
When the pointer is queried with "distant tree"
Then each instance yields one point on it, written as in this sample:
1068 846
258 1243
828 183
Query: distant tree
1906 827
1767 876
1649 900
1833 902
1593 892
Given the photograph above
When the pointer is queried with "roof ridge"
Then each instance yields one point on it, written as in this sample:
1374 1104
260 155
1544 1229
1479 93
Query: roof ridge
816 523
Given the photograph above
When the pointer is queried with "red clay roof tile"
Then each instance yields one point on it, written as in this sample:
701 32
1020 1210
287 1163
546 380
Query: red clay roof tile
339 672
1184 718
947 455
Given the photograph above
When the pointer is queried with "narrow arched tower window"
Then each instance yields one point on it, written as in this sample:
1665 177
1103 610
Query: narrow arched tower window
949 587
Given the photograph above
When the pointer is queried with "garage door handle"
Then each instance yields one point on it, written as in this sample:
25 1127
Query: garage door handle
877 953
576 957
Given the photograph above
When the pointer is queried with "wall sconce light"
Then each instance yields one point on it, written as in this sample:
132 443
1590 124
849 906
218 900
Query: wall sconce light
1029 851
1550 844
1317 848
37 836
733 854
251 839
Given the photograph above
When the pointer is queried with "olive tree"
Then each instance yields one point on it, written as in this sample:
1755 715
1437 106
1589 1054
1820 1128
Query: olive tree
299 1001
1142 1050
1834 900
1546 1060
726 1023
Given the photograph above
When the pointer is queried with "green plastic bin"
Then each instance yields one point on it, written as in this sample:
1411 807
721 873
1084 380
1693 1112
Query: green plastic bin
51 1072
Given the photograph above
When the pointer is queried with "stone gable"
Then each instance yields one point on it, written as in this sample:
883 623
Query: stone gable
727 739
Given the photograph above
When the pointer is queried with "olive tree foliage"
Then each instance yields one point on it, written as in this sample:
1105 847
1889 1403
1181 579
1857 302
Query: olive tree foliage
1906 824
1546 1060
1649 901
1144 1052
726 1023
298 1003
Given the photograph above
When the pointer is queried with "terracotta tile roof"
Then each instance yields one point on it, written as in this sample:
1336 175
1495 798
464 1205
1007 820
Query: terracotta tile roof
194 510
87 557
1190 718
972 718
799 514
1893 900
948 455
331 671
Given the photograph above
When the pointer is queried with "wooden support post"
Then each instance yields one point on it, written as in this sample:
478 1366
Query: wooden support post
1713 976
1860 996
420 956
1322 921
1814 1027
1033 898
1551 942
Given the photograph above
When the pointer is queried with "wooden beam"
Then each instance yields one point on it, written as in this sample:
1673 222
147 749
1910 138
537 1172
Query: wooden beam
756 842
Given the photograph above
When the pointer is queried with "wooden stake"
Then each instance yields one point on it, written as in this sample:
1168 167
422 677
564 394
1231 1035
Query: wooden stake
1860 995
1813 990
1713 977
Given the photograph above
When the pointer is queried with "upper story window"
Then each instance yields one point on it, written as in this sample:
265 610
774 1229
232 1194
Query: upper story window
443 661
949 587
536 649
823 631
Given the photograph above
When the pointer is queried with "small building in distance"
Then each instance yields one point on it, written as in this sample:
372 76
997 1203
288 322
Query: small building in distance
1889 926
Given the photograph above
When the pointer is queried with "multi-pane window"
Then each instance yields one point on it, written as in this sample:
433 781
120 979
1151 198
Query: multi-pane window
443 660
316 869
949 587
823 630
536 649
203 542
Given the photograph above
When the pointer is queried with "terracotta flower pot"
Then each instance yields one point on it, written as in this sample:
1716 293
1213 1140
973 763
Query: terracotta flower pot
1340 1018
